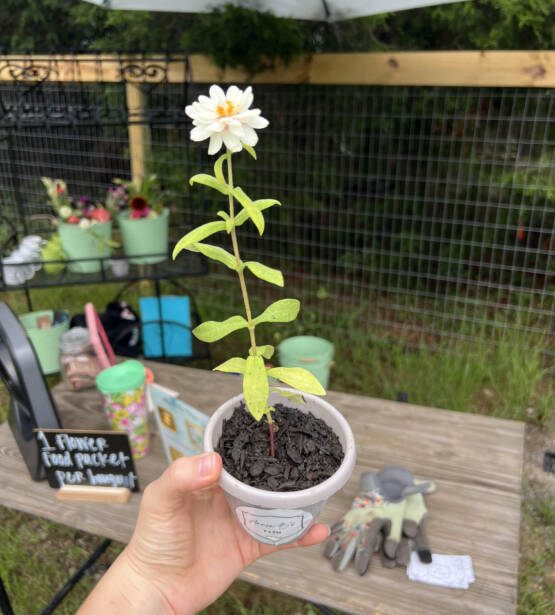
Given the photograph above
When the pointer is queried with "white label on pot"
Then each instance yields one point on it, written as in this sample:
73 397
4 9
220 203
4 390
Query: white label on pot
274 526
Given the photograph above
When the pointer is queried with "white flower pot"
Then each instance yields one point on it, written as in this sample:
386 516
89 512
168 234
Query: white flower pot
278 518
120 267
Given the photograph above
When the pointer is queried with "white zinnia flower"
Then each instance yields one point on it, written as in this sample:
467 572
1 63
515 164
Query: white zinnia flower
65 212
226 119
84 223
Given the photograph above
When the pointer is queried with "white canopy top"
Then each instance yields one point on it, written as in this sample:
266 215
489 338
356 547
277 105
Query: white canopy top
320 10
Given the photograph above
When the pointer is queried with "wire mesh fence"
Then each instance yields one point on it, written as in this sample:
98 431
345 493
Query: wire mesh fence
420 213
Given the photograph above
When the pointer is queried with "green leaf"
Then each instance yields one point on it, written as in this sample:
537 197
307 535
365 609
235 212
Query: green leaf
260 204
236 365
212 330
197 234
284 310
265 203
229 223
218 172
264 351
296 398
250 150
255 387
274 276
253 212
215 253
211 182
299 378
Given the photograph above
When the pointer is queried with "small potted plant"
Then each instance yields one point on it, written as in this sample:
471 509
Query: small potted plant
142 219
284 451
84 227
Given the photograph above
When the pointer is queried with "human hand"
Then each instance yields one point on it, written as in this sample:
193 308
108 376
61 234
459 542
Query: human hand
187 547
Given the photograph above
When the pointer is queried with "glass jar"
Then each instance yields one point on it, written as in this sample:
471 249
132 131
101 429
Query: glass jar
79 364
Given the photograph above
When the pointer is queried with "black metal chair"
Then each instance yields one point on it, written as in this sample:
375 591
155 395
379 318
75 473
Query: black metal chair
31 404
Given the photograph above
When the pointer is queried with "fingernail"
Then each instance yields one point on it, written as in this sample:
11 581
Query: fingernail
206 464
329 531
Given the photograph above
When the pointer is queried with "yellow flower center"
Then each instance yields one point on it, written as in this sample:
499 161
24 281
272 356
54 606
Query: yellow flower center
226 111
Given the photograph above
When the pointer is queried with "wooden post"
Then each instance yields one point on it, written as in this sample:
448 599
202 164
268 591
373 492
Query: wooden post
139 131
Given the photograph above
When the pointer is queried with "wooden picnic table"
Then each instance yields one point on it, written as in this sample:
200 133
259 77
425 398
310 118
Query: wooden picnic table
476 462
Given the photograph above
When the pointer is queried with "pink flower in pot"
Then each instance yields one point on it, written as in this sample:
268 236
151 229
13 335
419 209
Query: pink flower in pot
100 215
139 207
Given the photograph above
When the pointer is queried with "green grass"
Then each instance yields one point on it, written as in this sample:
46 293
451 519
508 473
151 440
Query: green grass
37 558
499 374
500 379
537 564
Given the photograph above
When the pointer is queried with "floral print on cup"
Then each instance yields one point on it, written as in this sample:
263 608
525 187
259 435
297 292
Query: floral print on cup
126 412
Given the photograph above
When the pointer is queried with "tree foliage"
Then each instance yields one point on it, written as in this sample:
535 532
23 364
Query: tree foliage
237 36
223 33
480 24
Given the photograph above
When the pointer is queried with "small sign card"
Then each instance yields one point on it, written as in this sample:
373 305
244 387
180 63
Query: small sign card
181 426
448 570
94 458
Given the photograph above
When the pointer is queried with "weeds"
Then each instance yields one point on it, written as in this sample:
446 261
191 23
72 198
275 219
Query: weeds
536 594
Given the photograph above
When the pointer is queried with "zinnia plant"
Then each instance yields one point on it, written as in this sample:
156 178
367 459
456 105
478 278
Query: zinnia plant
82 212
227 120
144 198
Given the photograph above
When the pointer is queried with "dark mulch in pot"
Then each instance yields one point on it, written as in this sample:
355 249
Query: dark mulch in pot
307 450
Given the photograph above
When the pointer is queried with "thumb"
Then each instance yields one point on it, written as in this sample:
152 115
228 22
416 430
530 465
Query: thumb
185 474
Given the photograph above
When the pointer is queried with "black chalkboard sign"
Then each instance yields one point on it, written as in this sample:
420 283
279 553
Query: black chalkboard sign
95 458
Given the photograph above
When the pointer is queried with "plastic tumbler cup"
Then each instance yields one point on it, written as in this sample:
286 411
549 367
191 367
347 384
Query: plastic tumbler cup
123 389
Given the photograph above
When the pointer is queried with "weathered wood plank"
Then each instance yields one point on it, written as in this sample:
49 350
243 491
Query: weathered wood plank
475 460
441 68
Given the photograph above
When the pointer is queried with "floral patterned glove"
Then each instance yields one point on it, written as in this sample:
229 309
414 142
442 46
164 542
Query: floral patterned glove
389 510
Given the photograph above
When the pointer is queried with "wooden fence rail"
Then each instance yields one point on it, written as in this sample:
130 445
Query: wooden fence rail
441 68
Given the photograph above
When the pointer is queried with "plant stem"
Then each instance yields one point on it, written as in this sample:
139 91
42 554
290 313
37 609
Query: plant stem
244 289
271 428
238 258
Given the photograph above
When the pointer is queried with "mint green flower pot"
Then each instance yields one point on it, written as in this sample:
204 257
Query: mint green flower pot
145 236
90 243
313 353
45 341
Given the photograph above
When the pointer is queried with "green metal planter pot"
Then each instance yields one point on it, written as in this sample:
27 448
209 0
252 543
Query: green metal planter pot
90 243
313 353
145 236
45 341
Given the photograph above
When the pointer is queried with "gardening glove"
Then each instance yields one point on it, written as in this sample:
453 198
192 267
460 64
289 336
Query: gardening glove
358 534
398 484
414 525
377 518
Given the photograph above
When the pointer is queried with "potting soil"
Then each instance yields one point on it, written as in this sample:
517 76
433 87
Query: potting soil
307 451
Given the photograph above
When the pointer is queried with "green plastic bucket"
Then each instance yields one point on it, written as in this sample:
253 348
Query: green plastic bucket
313 353
145 236
91 243
45 341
